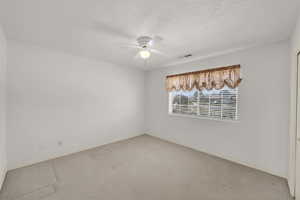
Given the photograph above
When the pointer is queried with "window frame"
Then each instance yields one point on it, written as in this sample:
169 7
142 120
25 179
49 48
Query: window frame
170 113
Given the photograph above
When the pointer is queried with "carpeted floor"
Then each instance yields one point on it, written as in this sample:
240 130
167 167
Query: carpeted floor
141 168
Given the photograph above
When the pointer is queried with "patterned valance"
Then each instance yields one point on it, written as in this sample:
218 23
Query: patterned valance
208 79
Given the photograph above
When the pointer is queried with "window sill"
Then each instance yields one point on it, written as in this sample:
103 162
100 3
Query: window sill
204 118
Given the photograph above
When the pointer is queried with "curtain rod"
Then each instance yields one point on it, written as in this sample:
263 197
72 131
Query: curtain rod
206 70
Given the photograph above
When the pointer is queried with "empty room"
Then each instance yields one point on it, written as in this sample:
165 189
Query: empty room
149 100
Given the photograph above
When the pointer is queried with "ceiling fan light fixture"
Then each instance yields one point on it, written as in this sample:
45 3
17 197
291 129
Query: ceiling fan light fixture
145 54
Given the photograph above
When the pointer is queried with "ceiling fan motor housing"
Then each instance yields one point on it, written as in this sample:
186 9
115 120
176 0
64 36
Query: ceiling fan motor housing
144 41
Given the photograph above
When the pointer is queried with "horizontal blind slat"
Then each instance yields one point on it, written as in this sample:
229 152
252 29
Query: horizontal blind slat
220 105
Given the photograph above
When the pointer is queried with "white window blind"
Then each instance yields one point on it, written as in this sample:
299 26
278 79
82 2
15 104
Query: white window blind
211 104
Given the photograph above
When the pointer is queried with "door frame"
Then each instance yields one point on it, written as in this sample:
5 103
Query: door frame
297 135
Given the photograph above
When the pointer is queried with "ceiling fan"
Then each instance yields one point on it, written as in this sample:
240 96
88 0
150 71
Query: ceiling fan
144 44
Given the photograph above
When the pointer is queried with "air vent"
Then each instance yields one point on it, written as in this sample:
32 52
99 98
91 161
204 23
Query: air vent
187 56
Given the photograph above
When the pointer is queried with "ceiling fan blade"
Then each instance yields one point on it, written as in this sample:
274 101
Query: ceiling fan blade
155 40
158 52
131 46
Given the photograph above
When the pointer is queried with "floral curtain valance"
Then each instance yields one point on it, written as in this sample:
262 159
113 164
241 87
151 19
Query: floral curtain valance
208 79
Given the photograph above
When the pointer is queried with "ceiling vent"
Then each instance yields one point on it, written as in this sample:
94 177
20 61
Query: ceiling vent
187 56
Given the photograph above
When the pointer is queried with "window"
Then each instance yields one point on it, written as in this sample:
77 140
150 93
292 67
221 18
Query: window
211 104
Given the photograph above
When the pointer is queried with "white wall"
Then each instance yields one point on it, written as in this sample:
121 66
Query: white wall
2 106
54 97
295 48
260 139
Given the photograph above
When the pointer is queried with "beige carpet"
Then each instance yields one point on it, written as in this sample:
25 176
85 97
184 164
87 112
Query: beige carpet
141 168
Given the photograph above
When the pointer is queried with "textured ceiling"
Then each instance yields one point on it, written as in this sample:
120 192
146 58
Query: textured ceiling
100 28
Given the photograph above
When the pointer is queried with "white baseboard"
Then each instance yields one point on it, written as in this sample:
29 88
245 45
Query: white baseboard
222 156
65 152
225 157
